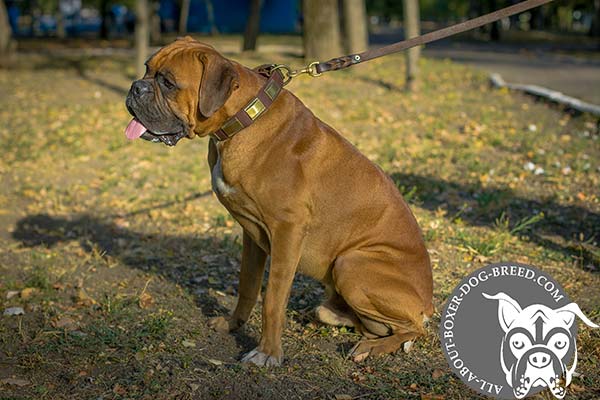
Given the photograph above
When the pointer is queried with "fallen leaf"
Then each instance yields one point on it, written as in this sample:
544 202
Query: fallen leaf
66 323
79 283
432 397
14 311
194 386
343 397
214 362
413 387
145 300
11 293
120 390
577 388
15 382
84 299
188 343
437 373
27 293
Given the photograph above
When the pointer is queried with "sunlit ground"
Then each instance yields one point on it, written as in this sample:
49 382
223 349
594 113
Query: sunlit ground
118 252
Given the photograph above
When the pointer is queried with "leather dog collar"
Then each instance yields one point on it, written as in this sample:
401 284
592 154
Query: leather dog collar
257 106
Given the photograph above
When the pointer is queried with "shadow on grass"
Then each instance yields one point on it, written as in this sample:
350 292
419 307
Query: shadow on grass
572 230
81 64
177 258
202 263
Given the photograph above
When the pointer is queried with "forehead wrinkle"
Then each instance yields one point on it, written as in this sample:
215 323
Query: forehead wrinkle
179 47
164 54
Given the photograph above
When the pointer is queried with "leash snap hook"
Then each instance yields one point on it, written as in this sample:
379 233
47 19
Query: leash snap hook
289 73
310 69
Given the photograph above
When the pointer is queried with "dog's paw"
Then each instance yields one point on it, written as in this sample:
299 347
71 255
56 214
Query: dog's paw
261 359
223 324
360 351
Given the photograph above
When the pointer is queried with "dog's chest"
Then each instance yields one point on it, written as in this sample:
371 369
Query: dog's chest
219 186
232 196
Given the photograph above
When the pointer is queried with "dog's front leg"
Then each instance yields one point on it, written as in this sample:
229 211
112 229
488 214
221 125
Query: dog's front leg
286 247
251 274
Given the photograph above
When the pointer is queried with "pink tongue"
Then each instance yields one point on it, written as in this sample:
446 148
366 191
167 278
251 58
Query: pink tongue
135 129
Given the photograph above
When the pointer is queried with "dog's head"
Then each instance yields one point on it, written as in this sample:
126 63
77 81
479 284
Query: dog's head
185 86
536 344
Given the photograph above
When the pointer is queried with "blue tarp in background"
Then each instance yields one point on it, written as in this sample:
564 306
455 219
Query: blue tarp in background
277 16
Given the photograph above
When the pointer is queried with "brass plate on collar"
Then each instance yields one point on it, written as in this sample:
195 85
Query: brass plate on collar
232 126
255 108
272 90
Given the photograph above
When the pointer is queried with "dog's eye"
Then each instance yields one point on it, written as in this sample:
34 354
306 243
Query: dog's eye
559 341
517 344
519 341
168 84
560 344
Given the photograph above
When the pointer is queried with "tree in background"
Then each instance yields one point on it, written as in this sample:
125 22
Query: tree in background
104 8
595 28
412 28
252 26
6 45
321 29
355 26
184 13
155 28
142 35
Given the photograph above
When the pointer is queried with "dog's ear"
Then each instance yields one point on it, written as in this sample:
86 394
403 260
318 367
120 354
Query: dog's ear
219 80
508 309
568 313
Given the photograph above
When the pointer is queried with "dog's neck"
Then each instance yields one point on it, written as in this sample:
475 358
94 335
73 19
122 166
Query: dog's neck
251 83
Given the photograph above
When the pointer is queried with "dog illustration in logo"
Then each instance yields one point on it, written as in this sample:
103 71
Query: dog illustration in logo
536 343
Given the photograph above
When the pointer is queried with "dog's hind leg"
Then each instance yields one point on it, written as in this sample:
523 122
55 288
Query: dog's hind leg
335 311
390 300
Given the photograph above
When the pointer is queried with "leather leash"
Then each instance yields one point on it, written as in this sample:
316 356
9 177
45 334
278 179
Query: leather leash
318 68
280 75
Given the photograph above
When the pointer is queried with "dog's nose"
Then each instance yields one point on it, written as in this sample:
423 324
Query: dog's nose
539 359
140 87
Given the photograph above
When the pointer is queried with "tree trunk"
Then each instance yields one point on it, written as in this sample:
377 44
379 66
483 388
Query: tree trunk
495 29
321 29
355 26
6 45
142 35
210 12
60 25
252 26
537 18
104 18
412 28
155 32
184 13
595 28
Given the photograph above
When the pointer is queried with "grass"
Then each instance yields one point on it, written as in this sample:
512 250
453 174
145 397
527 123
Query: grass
127 253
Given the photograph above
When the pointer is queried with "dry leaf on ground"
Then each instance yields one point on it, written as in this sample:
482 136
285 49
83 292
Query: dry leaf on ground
15 381
145 300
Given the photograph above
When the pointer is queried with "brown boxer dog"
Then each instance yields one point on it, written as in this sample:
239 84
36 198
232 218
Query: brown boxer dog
304 196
